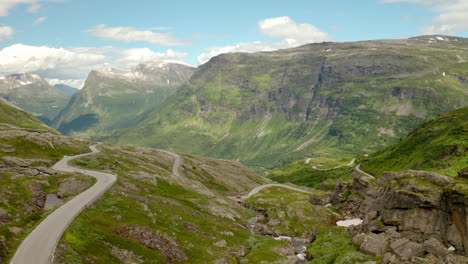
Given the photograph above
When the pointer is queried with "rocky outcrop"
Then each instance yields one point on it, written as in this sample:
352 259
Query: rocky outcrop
148 238
422 210
73 186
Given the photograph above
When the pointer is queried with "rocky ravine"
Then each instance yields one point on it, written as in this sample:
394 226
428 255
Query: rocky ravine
409 217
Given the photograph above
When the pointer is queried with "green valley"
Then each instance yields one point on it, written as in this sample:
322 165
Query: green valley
320 100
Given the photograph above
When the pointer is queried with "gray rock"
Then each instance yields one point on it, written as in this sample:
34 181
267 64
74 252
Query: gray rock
390 258
3 212
72 186
358 239
435 247
407 249
455 259
221 243
399 243
438 179
374 244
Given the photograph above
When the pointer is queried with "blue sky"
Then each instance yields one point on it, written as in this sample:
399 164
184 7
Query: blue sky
64 39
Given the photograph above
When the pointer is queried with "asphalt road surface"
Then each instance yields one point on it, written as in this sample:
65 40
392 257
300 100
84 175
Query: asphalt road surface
40 244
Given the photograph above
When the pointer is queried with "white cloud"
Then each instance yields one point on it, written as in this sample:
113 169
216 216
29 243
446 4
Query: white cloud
129 34
285 27
452 18
292 33
131 57
39 20
71 65
6 32
34 5
73 83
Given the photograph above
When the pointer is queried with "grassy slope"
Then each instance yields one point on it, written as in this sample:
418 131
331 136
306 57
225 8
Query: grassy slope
332 244
439 145
146 194
173 209
252 106
24 137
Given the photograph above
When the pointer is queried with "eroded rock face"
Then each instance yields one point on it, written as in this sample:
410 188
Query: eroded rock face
420 205
150 239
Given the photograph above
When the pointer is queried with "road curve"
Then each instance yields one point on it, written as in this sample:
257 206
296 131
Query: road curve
337 167
177 162
40 244
358 169
261 187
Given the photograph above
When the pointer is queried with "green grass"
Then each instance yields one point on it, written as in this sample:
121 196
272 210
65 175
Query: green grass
301 173
178 212
331 245
439 145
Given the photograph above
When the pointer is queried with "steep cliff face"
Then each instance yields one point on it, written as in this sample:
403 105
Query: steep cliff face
113 99
33 94
419 205
329 98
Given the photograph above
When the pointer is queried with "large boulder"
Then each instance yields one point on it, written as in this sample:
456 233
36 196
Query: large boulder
72 186
374 244
406 249
435 247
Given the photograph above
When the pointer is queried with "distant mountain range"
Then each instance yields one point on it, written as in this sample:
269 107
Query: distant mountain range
112 99
265 109
33 94
269 108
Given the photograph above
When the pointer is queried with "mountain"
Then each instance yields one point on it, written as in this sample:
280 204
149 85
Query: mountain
33 94
327 99
67 89
113 99
439 145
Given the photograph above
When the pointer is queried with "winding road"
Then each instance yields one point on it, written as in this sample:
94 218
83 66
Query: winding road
358 169
177 162
261 187
337 167
40 244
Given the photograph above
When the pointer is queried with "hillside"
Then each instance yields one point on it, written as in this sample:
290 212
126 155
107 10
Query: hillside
29 188
33 94
327 99
439 145
113 99
153 215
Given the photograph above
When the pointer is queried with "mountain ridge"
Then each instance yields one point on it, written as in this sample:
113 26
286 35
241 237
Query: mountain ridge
270 108
112 99
33 94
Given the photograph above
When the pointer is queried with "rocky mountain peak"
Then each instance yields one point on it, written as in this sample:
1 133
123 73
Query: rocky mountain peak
18 80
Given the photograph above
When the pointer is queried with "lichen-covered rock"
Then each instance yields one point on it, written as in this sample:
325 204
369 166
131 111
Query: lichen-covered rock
374 244
72 186
221 243
359 239
390 258
406 249
435 247
147 237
